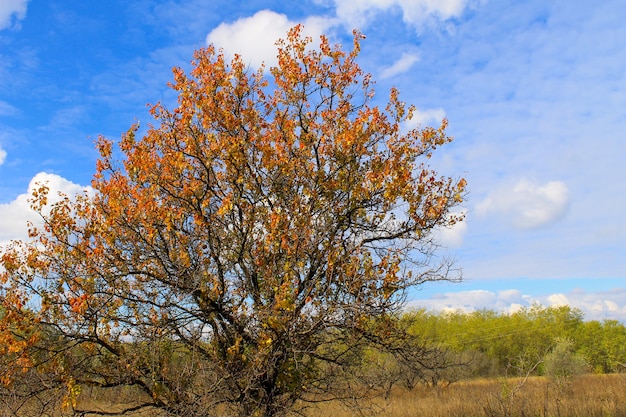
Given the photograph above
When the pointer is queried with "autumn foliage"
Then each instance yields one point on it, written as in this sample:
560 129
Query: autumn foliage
238 252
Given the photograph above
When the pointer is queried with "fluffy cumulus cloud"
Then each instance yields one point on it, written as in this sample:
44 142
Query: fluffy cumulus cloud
357 13
508 301
526 204
254 37
11 11
558 299
402 65
15 215
594 305
3 156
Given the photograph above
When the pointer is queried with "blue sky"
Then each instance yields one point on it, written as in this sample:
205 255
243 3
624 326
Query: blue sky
535 94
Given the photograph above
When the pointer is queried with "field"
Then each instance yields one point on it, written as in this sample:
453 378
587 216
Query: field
585 396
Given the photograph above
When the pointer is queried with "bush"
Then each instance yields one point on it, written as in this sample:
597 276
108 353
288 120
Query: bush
562 363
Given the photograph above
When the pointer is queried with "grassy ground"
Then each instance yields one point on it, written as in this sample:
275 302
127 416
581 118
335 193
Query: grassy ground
584 396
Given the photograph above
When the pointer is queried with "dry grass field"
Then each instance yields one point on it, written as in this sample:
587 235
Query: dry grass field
583 396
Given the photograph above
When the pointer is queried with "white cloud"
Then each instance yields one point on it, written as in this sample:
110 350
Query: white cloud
558 300
594 305
600 305
452 236
10 9
527 205
510 295
15 214
462 301
358 13
402 65
472 300
254 37
426 117
3 156
611 306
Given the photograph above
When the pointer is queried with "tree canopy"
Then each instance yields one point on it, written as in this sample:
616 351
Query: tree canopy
237 253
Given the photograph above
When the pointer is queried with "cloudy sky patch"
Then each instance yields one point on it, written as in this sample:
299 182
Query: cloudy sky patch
403 64
358 13
426 117
534 93
254 38
15 215
527 205
596 305
452 236
11 12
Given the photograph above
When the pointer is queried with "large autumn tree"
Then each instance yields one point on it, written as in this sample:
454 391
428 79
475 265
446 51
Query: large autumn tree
242 252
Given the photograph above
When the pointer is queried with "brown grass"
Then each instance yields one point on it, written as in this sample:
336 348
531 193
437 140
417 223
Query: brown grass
584 396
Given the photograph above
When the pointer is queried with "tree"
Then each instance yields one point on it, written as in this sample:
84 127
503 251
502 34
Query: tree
234 258
602 345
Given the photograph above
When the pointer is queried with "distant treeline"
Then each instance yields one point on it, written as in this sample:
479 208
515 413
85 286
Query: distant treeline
492 343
